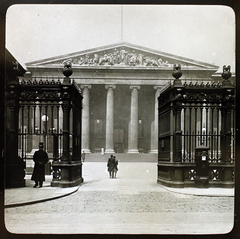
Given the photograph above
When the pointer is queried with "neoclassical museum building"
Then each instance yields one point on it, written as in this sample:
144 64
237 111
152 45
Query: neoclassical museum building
120 84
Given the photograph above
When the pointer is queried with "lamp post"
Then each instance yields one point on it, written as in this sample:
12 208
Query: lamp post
44 119
47 165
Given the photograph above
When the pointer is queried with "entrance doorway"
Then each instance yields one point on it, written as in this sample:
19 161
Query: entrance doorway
119 141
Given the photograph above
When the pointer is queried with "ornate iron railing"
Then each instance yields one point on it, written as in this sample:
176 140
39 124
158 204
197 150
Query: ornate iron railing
194 115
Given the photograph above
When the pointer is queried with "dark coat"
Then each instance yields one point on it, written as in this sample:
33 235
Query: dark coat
111 164
40 158
116 164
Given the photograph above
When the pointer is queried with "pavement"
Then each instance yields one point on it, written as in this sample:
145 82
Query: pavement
28 195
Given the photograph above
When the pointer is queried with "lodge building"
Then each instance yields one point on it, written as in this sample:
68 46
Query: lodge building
120 85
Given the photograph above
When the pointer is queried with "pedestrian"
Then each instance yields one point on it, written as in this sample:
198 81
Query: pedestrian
115 167
83 156
111 165
40 158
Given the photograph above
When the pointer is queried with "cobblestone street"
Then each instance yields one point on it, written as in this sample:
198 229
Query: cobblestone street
133 203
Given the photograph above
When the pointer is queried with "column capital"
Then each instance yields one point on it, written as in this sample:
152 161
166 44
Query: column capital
110 86
157 87
135 86
86 86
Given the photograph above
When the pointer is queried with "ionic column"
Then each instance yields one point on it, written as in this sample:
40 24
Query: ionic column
154 128
109 118
85 119
35 127
133 126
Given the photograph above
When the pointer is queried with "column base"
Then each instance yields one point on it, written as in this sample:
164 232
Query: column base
30 155
33 151
132 151
87 151
109 151
153 151
66 184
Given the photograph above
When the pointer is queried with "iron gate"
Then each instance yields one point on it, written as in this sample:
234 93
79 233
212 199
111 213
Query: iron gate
194 115
202 124
40 114
50 112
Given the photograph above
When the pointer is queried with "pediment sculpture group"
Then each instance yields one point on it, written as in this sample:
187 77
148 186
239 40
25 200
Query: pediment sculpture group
120 57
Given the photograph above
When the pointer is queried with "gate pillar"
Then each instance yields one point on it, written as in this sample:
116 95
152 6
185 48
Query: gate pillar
227 106
226 141
14 164
67 171
177 108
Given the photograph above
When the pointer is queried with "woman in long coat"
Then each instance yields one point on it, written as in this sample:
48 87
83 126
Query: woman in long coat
40 158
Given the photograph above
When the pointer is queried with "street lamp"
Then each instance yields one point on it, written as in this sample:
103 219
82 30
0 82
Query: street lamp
204 135
44 119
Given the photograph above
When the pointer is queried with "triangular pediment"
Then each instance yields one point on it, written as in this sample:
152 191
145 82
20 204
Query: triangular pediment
122 55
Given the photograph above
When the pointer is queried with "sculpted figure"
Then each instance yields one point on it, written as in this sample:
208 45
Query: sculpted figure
68 61
123 54
160 62
110 59
95 59
81 61
116 57
86 59
75 61
90 61
166 63
132 59
140 59
154 62
148 61
103 59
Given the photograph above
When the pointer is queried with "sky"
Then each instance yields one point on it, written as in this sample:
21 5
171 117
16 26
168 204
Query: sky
203 33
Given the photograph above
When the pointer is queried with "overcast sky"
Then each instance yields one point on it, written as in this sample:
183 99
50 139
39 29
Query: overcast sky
204 33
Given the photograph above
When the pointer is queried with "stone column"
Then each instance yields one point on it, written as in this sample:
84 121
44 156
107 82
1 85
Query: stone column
35 138
85 119
66 131
60 113
154 131
109 118
133 129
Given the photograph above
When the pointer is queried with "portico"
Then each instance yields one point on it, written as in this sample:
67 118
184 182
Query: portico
120 84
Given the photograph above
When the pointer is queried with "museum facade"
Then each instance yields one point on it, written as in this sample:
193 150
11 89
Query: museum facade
120 85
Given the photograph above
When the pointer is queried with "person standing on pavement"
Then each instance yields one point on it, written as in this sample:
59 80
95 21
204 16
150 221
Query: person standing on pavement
83 156
111 165
115 167
40 158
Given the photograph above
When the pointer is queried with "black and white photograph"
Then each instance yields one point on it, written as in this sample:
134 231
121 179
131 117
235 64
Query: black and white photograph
120 119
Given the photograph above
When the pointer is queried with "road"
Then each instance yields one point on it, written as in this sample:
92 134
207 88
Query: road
133 203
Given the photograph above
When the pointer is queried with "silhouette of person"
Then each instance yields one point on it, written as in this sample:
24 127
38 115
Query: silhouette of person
115 167
111 165
83 156
40 158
